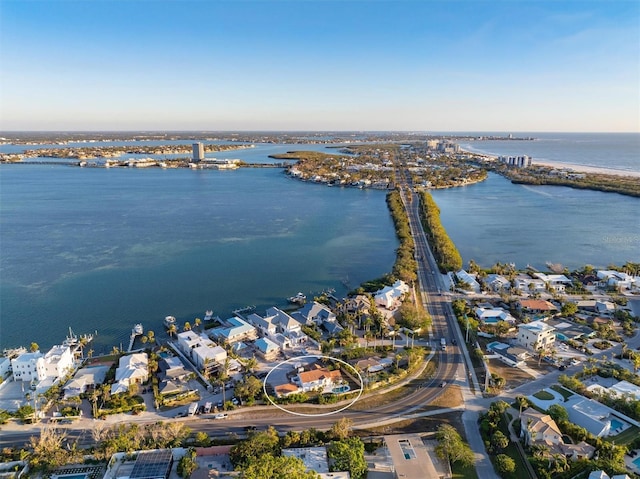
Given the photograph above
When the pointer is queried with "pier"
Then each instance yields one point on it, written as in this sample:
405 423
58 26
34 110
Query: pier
135 331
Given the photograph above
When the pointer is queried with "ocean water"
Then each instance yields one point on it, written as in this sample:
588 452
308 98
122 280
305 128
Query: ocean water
619 151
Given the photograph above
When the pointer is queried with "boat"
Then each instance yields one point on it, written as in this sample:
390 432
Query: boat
208 315
298 299
137 329
169 321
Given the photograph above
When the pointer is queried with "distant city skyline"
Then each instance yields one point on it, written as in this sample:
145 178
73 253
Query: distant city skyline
512 66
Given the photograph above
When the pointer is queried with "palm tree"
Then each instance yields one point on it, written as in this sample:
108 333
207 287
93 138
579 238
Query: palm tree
251 364
223 375
172 329
187 326
197 322
82 342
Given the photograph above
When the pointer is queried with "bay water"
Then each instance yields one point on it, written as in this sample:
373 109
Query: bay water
102 249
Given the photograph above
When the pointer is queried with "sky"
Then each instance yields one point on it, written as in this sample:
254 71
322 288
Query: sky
423 65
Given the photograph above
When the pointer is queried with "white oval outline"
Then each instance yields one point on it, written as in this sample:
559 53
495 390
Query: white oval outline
264 386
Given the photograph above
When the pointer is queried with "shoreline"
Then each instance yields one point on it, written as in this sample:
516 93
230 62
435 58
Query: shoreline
586 169
574 167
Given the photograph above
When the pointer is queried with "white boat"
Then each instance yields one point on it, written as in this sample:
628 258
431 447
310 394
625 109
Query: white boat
169 321
298 299
137 329
208 315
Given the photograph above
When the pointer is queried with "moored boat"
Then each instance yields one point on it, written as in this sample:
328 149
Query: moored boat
299 298
169 321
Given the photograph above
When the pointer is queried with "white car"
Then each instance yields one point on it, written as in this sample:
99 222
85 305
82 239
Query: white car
221 416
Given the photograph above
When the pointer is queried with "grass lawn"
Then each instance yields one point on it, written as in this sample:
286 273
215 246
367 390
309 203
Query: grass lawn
513 453
625 437
459 472
566 394
544 396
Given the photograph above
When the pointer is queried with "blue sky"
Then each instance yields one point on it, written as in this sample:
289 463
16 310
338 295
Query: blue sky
320 65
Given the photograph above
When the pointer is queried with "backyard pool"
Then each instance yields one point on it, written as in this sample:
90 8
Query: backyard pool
341 389
615 424
636 462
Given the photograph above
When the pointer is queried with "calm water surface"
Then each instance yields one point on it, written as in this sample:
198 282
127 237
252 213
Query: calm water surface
499 221
101 249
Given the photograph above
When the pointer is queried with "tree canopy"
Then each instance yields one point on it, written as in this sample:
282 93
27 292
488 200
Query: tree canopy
451 446
348 455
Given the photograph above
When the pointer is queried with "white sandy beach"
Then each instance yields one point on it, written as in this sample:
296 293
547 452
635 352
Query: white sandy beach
586 169
570 166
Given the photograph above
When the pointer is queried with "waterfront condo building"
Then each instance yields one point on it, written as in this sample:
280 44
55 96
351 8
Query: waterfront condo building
198 152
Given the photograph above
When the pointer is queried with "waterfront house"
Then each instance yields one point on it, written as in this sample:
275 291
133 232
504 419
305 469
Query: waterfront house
357 305
618 280
318 314
29 367
314 313
266 325
283 321
201 350
536 335
5 367
527 284
390 297
171 368
132 369
58 361
463 277
497 282
558 282
84 378
234 329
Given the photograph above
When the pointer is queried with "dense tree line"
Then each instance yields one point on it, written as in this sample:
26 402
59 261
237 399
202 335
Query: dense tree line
260 455
624 185
405 267
445 252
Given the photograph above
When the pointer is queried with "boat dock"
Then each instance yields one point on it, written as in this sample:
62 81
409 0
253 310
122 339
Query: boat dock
137 330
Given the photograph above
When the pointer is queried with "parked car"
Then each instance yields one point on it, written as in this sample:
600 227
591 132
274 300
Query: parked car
444 383
221 416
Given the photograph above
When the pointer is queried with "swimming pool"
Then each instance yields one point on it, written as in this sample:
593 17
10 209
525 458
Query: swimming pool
615 424
71 476
341 389
636 462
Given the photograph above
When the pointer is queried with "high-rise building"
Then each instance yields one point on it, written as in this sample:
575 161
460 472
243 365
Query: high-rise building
198 152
